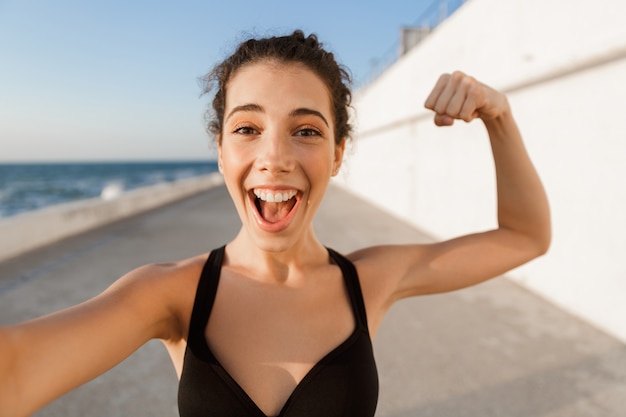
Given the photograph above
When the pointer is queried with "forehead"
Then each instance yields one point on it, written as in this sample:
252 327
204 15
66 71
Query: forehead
281 86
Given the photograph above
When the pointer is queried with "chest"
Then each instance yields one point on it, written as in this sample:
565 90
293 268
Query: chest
289 350
269 337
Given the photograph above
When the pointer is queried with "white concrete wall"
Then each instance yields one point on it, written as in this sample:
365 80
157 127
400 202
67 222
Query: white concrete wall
31 230
563 65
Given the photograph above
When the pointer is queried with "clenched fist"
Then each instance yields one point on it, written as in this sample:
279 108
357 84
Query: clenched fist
460 96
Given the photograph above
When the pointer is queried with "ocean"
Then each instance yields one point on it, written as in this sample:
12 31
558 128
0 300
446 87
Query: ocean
27 187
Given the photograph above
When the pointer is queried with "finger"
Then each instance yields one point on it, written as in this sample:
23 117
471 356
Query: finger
468 111
436 92
443 120
445 97
456 103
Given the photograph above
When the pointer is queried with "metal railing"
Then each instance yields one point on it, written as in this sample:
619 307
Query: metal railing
411 35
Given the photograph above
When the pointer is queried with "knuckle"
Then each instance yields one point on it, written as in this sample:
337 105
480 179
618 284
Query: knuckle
474 86
469 83
458 76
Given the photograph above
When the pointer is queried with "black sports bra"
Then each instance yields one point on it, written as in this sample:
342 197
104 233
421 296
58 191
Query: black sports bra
344 383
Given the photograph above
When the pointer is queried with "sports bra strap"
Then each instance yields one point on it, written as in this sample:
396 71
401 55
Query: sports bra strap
351 278
205 297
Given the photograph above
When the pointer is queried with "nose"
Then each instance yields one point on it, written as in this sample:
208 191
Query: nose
275 154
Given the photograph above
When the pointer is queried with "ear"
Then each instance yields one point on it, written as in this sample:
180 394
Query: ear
338 157
220 168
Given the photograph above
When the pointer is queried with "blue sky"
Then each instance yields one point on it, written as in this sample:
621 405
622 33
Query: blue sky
117 80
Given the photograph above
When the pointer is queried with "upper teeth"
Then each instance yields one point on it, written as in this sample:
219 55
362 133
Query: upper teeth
274 197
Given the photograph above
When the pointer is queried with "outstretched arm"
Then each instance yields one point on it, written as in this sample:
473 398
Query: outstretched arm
523 231
44 358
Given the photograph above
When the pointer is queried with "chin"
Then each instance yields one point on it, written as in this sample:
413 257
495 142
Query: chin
273 244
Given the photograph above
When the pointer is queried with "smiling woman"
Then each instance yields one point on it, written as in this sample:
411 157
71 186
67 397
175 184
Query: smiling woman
274 323
277 139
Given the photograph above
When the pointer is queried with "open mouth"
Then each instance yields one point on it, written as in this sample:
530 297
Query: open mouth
275 206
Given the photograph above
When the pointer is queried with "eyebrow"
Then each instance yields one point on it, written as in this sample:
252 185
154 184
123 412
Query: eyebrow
245 107
257 108
305 111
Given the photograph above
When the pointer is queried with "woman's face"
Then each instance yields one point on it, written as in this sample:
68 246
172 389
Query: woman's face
277 150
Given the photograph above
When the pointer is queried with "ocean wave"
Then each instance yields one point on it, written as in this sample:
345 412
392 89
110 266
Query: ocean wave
27 187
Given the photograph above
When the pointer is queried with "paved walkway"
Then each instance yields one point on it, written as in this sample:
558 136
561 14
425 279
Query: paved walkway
492 350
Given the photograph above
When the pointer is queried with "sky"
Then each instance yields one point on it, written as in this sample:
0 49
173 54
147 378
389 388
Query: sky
117 80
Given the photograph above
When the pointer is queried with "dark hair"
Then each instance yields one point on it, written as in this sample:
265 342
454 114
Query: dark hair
294 48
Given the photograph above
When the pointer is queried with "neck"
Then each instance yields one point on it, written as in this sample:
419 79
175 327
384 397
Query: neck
276 261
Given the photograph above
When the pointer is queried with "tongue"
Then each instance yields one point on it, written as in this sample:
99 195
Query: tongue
275 212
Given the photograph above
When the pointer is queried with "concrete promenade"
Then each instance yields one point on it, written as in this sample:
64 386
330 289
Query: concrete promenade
491 350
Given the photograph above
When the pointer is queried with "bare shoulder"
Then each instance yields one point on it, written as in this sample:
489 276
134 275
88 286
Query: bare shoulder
168 288
161 276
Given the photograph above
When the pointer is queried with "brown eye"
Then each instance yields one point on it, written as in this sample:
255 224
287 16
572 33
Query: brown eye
308 132
245 130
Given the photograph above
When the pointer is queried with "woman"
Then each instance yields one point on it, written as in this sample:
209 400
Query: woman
281 123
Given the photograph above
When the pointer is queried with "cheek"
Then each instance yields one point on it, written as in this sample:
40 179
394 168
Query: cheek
232 169
232 157
320 167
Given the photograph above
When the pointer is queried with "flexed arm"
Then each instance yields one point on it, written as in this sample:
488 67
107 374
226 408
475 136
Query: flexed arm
522 203
523 231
